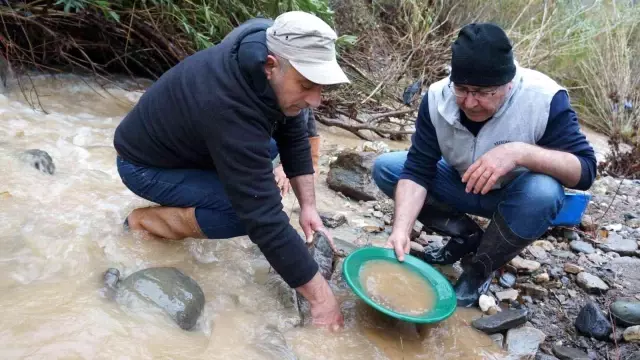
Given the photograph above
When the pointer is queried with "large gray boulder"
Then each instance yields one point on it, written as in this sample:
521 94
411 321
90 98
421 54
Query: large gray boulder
167 288
350 174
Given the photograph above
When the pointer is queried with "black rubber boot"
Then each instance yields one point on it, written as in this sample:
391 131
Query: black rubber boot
498 246
464 232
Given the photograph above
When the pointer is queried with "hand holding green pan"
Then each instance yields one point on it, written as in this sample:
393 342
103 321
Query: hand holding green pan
445 298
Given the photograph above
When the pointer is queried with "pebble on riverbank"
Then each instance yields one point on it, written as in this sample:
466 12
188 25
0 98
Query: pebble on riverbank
632 334
591 321
626 313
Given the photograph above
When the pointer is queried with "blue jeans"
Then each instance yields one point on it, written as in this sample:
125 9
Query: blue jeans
197 188
529 203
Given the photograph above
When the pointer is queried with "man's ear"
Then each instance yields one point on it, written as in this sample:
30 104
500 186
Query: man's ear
270 66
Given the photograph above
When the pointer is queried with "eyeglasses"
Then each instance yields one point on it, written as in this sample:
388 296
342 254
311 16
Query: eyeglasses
479 95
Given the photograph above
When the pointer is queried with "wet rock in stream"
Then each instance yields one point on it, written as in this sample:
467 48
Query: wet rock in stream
344 247
296 306
333 221
270 344
39 159
350 174
287 298
322 253
167 288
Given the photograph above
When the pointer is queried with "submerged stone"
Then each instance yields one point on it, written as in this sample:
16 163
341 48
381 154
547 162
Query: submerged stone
39 159
168 288
333 220
271 344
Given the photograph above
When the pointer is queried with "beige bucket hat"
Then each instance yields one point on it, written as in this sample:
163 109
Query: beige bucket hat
309 45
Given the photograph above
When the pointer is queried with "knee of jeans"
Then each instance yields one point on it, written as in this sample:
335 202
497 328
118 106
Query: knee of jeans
217 224
382 175
544 193
531 203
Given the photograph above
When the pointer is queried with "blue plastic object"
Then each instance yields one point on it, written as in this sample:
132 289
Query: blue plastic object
575 204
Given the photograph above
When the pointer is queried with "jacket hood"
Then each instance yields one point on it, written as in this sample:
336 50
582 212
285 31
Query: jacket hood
249 52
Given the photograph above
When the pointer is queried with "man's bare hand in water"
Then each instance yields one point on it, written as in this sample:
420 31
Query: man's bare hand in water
325 310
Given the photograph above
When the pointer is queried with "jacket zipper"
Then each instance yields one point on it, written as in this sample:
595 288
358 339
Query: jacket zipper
274 125
473 157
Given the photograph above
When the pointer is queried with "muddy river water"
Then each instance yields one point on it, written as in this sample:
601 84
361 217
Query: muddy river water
58 234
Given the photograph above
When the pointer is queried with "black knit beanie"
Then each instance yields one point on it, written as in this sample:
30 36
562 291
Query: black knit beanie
482 56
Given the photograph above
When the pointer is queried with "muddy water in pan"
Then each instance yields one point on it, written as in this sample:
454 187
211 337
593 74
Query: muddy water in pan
59 233
397 288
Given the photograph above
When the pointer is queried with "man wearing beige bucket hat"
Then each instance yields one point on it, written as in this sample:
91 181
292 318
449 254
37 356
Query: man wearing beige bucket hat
201 140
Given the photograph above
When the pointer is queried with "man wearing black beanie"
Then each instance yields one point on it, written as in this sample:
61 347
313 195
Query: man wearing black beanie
494 140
